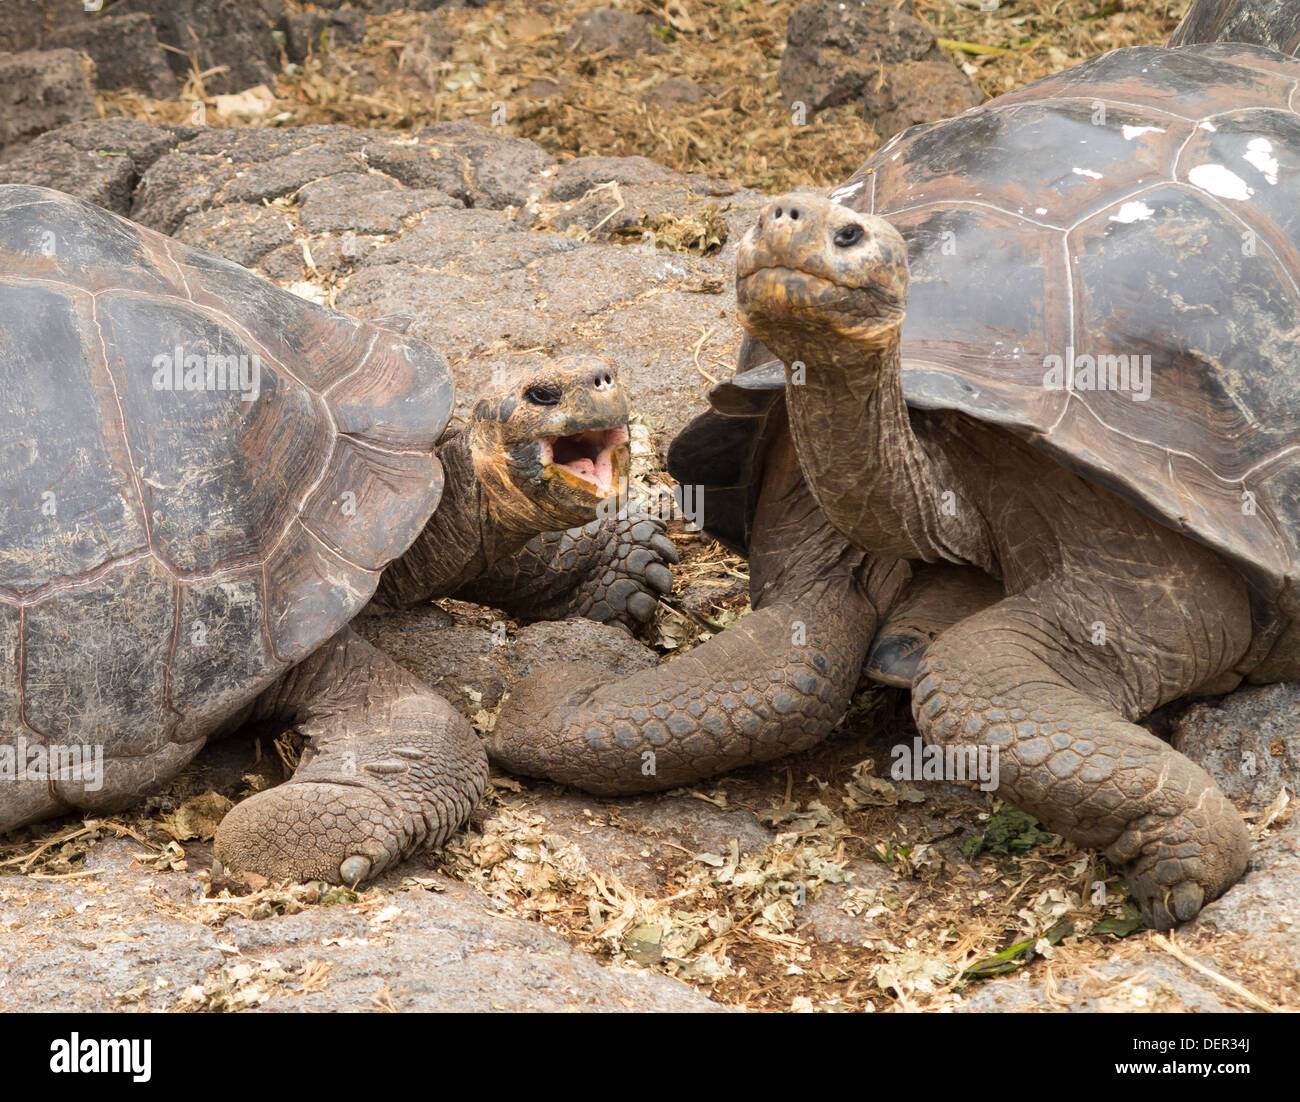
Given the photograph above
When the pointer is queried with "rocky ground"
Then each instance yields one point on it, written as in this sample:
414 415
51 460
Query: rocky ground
766 93
816 883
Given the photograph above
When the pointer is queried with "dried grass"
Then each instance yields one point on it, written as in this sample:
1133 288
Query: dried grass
503 53
734 925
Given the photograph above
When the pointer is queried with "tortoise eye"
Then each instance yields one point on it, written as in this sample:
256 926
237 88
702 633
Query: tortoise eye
543 394
848 235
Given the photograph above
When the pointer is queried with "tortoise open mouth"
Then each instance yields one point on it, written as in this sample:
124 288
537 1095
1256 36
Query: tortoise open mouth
593 457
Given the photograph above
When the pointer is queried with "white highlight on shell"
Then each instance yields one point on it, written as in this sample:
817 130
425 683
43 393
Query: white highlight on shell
1220 181
1259 152
1133 211
840 194
1087 172
1131 132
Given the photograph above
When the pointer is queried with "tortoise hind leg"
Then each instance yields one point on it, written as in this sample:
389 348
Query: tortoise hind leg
937 597
390 767
1031 679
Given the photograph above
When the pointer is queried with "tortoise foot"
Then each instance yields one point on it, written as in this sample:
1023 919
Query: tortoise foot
638 573
611 570
1175 865
333 832
390 767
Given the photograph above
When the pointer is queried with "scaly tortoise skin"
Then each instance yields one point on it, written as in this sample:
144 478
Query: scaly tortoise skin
1076 558
176 563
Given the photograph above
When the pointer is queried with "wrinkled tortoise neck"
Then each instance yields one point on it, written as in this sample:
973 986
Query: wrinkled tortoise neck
875 479
473 527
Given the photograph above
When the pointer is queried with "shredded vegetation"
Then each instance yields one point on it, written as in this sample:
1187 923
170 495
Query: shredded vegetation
507 64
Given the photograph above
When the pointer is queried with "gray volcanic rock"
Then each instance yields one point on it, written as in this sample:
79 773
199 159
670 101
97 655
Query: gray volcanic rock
25 26
100 160
835 49
39 90
120 939
239 231
915 92
1261 913
610 33
874 53
320 32
675 90
125 50
1248 741
231 36
473 666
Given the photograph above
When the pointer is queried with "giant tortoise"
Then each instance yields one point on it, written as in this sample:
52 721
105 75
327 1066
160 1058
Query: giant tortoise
1079 432
205 478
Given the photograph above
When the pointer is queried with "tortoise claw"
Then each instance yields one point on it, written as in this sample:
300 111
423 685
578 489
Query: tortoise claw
1186 862
666 548
354 870
659 577
641 606
1181 903
644 529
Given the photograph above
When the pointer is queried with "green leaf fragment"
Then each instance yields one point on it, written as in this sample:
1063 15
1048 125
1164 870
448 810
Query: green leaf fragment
1121 925
1010 831
644 944
1015 957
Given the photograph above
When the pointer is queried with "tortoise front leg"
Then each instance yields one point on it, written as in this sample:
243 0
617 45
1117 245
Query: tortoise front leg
1025 678
775 682
615 569
390 767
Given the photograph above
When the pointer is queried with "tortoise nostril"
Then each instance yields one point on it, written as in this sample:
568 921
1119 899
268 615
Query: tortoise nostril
794 214
603 380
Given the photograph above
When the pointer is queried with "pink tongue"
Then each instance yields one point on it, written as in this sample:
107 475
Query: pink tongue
584 467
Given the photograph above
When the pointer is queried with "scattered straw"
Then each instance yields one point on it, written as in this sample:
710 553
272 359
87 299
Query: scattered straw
510 59
1171 946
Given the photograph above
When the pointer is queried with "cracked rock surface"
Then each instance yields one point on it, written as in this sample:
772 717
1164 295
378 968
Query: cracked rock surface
500 254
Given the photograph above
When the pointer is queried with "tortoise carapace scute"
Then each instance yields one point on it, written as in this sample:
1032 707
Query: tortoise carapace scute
185 447
1272 23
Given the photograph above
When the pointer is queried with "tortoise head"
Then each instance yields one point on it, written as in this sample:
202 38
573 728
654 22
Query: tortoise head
553 443
816 280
